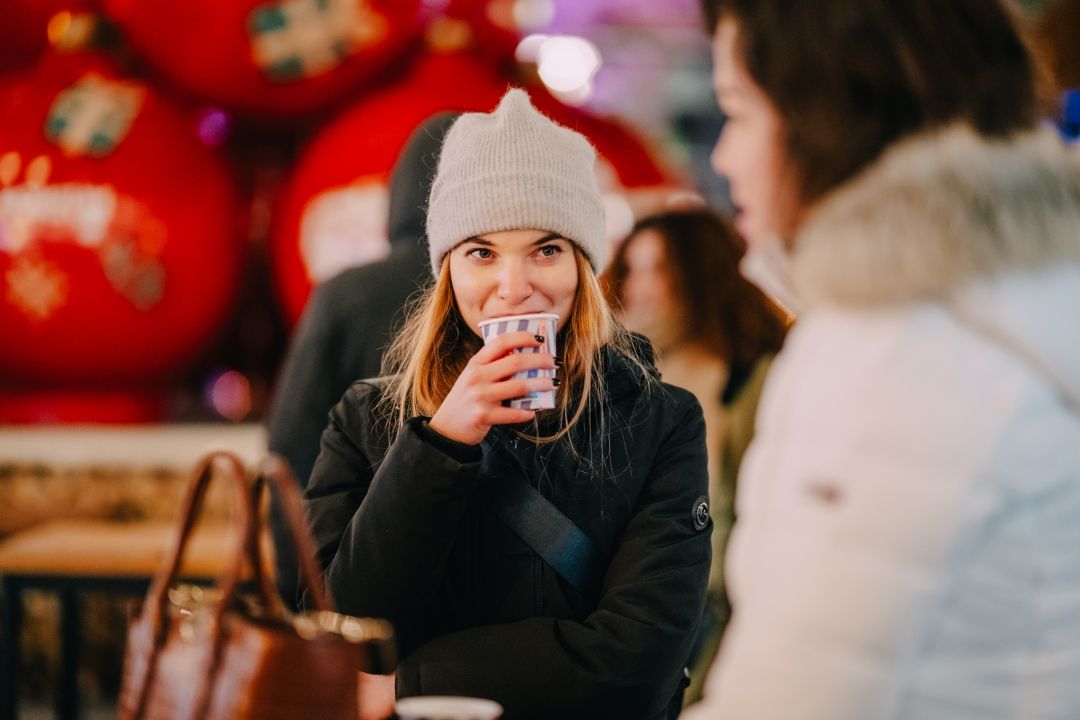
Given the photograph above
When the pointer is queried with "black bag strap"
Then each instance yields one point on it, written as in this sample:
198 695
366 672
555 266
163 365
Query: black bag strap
552 535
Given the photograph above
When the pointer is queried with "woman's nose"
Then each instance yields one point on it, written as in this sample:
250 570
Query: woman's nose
514 284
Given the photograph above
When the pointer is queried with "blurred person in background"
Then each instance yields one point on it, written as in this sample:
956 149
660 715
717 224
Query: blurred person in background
347 324
907 536
676 280
432 499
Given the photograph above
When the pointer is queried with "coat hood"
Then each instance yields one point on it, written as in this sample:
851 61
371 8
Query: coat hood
989 228
411 179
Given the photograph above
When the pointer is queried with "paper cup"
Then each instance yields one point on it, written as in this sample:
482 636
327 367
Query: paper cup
440 707
544 324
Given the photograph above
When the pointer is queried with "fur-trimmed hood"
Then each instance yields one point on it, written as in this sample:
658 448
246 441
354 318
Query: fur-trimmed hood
991 229
938 211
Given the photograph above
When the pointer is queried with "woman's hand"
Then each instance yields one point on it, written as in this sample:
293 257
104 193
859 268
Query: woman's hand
375 695
474 404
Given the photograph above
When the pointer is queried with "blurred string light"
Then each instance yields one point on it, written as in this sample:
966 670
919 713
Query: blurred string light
529 48
212 126
533 14
69 31
566 64
228 393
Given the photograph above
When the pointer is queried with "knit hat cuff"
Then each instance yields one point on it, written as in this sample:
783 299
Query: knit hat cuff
515 201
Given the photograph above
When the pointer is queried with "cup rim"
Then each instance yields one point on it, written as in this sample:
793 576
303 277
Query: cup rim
420 704
527 316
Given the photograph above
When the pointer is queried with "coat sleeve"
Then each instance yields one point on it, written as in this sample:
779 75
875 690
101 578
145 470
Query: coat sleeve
382 529
625 659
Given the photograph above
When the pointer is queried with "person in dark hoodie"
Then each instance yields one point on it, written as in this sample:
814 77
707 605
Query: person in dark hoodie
434 505
347 324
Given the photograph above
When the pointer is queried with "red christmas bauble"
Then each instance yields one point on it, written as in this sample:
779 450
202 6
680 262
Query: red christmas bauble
270 57
22 31
332 214
119 254
493 30
631 161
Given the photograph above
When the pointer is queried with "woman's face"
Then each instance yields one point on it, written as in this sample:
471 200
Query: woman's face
649 305
750 152
513 272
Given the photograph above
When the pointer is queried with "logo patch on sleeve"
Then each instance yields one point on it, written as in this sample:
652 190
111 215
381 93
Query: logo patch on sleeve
700 513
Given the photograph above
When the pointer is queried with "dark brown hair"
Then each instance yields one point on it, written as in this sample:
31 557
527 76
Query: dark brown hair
1058 30
850 77
727 313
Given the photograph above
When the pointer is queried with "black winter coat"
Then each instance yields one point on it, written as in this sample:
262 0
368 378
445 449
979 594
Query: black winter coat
405 532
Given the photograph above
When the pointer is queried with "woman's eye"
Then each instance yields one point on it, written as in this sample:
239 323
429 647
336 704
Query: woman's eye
481 253
550 250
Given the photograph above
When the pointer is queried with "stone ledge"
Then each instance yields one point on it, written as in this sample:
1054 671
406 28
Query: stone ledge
113 473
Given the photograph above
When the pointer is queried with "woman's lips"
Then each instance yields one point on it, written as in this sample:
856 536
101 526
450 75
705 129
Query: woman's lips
516 312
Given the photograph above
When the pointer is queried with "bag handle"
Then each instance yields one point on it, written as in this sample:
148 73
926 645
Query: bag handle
274 474
271 471
154 608
248 521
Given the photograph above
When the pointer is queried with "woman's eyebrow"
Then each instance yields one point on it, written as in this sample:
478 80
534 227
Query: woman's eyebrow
540 241
548 238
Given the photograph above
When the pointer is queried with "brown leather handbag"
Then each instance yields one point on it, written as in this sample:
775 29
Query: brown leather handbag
232 650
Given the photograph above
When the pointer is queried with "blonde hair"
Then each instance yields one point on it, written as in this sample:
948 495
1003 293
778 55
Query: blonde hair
433 347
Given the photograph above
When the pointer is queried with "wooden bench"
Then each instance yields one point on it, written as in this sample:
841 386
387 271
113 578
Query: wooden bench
70 557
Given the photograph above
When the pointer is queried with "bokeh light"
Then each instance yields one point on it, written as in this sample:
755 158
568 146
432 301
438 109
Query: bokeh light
533 14
213 126
566 63
228 393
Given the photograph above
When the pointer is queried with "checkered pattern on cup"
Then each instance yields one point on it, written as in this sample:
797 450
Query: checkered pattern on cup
544 324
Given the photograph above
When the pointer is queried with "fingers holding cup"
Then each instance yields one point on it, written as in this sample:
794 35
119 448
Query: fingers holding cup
542 326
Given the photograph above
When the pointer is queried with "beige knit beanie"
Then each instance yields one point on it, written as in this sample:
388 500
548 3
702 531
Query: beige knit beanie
515 169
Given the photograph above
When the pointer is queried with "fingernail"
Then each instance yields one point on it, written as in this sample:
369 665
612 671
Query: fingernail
539 338
556 382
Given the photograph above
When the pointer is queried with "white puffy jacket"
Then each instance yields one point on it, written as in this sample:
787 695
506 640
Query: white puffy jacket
908 534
